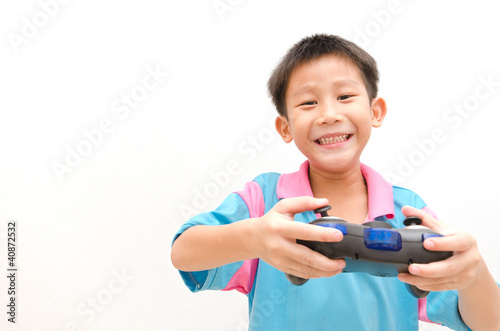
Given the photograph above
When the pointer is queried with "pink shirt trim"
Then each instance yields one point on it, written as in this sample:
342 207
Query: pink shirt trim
242 280
422 311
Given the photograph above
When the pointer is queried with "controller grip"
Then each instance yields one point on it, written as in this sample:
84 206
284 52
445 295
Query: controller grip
416 292
296 280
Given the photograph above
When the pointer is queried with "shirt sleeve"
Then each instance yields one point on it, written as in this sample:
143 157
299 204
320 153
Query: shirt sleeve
442 308
232 209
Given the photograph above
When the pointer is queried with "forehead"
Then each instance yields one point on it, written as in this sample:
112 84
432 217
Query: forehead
327 69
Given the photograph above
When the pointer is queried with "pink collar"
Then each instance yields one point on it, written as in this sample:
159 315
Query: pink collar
380 199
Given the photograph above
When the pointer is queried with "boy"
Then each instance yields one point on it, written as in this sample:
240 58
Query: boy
325 91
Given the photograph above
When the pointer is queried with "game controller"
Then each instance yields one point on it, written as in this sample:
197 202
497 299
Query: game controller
375 247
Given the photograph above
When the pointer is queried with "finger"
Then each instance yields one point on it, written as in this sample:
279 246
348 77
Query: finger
313 264
445 268
455 242
427 219
429 284
308 272
298 205
311 232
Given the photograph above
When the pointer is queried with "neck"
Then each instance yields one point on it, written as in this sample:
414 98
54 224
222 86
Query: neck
346 192
348 181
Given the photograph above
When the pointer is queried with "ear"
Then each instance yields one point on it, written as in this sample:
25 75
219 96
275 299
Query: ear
283 128
379 110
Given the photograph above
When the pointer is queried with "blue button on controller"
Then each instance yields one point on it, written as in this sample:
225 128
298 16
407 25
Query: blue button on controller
382 239
341 227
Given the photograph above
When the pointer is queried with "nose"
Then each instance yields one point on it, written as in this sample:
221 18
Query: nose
329 113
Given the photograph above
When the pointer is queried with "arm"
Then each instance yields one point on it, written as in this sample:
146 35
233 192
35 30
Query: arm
465 271
479 303
270 238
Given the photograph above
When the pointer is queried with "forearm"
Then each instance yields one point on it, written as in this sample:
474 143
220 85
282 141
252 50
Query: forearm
204 247
479 303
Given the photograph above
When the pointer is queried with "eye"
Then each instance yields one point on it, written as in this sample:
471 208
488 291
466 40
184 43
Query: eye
308 103
344 97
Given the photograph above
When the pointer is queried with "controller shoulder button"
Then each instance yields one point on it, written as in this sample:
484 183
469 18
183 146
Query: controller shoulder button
378 224
430 235
341 227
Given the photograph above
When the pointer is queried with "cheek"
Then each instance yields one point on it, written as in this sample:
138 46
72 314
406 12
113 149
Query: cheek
296 134
365 126
365 133
363 121
300 129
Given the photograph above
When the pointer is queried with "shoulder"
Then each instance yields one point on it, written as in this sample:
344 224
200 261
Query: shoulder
404 196
267 179
263 183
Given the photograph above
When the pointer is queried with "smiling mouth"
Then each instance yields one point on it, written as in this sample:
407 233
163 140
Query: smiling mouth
332 140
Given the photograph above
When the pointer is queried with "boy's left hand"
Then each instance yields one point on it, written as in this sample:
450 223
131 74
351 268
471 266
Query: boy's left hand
454 273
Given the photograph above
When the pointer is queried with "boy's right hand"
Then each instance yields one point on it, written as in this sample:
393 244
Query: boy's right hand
274 240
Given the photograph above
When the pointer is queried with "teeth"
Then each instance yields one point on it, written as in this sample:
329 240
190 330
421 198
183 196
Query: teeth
332 140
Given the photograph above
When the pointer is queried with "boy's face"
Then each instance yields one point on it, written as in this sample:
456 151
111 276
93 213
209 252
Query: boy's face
330 115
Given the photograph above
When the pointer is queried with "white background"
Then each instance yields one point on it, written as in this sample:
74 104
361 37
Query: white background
94 247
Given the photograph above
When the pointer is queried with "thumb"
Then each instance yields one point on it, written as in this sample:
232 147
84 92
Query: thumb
292 206
427 219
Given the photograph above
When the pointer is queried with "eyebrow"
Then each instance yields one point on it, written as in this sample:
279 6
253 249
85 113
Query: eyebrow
347 81
337 83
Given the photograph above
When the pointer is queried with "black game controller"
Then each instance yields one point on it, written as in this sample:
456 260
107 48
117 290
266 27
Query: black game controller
375 247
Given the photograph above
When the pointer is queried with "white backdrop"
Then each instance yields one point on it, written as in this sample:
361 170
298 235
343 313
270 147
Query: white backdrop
121 118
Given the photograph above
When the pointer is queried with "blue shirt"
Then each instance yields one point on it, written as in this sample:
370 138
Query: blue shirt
348 301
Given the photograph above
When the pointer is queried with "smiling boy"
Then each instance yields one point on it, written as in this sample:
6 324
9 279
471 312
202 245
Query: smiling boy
325 90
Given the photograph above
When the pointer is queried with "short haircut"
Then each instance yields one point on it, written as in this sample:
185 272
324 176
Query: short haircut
313 47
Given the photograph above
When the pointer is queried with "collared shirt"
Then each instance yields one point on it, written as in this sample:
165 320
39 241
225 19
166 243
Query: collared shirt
348 301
